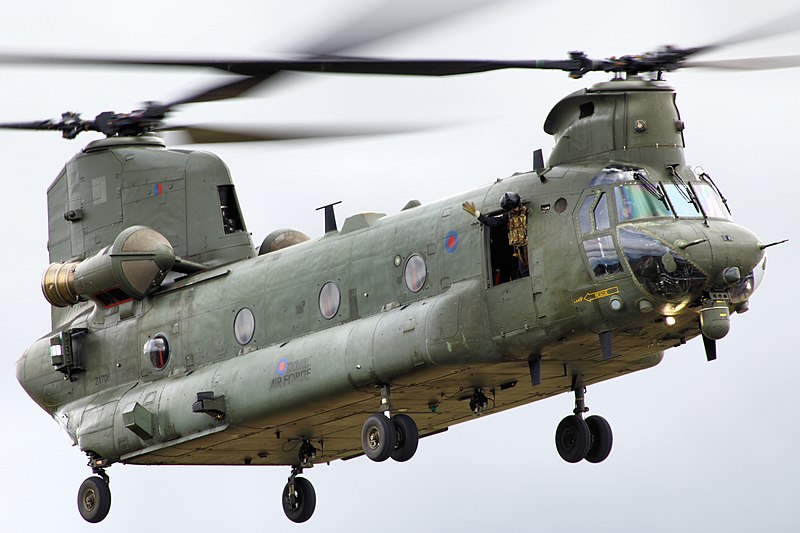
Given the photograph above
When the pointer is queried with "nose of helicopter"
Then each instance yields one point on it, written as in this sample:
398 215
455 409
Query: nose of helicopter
729 253
694 262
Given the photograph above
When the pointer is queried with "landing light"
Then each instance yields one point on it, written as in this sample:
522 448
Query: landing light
669 321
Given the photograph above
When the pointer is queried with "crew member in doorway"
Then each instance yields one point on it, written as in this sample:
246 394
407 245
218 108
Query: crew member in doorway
515 219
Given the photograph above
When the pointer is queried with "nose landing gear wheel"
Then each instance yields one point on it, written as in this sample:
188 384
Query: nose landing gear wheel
94 499
378 438
573 439
407 438
602 439
299 504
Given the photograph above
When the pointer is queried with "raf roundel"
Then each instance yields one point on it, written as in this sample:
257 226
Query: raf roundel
283 366
451 241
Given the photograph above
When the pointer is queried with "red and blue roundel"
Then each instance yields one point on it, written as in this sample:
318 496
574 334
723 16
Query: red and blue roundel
451 241
283 366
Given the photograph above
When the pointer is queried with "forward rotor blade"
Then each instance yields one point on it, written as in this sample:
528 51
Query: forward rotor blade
207 134
753 63
390 18
788 23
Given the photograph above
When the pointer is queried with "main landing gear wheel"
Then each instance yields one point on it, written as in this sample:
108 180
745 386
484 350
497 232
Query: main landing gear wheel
407 438
602 439
299 501
378 437
573 439
94 499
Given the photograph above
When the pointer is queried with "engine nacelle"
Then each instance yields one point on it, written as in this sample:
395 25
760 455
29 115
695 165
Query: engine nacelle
130 268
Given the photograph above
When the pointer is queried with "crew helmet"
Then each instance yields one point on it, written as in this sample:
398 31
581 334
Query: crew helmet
509 201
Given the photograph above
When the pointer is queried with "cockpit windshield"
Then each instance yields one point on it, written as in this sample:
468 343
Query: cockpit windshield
635 202
688 200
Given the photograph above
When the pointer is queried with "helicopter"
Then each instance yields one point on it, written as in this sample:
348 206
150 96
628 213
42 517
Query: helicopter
194 271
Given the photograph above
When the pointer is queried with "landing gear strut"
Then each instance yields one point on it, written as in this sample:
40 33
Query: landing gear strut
94 496
299 498
578 439
383 437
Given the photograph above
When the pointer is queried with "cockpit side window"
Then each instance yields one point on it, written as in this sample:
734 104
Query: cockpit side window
601 219
602 256
584 215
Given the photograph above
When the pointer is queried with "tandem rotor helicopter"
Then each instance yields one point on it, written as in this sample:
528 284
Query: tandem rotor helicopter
176 341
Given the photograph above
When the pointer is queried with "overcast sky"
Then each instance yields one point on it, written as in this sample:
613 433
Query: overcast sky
697 446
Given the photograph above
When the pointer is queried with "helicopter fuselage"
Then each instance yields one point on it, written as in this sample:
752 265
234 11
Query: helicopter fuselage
434 335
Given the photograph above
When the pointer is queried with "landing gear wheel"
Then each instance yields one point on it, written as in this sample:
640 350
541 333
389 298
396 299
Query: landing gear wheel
378 438
573 439
602 439
300 504
94 499
407 438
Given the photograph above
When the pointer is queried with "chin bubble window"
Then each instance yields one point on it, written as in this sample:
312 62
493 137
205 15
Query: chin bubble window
244 326
415 273
329 300
157 351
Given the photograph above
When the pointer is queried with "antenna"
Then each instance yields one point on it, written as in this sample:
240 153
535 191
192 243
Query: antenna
330 217
538 163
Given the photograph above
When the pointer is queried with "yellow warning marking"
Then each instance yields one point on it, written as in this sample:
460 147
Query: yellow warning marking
592 296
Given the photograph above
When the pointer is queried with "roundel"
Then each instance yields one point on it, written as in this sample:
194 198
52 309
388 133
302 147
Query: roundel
282 367
451 241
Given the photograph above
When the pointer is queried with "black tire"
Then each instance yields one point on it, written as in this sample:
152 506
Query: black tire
602 439
305 500
407 438
94 499
378 438
573 439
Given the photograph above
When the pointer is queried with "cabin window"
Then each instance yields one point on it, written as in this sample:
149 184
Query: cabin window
415 273
244 326
603 258
329 300
157 351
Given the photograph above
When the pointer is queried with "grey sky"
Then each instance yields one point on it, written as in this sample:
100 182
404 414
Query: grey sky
698 446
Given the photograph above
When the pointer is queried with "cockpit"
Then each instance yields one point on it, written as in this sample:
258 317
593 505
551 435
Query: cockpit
610 221
637 197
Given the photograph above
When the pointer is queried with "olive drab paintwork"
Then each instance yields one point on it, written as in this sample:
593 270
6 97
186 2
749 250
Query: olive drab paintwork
624 257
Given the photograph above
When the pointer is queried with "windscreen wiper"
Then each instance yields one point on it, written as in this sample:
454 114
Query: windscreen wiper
650 187
685 190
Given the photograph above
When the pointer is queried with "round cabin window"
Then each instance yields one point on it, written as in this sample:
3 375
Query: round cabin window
244 326
157 351
415 273
329 300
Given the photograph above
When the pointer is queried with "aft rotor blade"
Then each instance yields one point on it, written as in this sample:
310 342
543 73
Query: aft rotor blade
223 91
207 134
752 63
33 125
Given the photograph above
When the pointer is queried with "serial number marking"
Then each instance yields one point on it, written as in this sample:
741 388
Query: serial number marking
101 379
